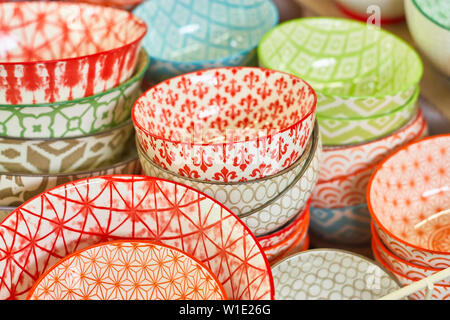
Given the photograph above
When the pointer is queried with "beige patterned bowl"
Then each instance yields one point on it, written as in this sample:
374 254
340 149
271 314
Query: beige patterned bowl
17 188
64 155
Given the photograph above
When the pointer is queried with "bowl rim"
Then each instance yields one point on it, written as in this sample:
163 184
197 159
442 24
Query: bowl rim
126 177
138 21
138 74
347 20
199 63
145 131
369 202
144 242
355 15
428 17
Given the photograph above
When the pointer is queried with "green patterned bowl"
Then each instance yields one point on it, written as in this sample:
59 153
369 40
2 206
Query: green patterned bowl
78 117
429 24
357 70
337 132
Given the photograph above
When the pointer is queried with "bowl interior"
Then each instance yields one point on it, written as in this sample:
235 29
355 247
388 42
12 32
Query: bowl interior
203 30
224 105
342 57
410 193
437 11
37 31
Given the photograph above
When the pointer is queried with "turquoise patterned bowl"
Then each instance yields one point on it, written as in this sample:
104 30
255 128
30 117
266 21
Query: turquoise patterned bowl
186 36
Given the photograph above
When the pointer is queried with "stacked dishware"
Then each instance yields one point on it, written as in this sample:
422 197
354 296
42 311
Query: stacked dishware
409 202
245 136
70 74
367 85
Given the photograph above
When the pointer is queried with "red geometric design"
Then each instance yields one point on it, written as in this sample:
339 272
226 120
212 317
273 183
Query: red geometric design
85 212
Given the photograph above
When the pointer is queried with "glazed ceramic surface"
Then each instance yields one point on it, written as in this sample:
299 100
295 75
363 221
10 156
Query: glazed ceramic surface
357 70
346 160
17 188
346 225
77 117
389 10
226 124
95 210
186 36
128 270
52 156
429 24
331 275
407 197
56 51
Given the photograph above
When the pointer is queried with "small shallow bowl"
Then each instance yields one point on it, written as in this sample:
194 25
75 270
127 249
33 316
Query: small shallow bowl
347 225
429 25
389 11
185 37
439 292
15 188
226 124
63 155
57 51
357 70
410 270
177 275
332 275
405 195
134 207
346 160
77 117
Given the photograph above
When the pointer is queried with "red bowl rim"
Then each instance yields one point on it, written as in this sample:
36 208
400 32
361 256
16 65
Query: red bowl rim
358 16
199 72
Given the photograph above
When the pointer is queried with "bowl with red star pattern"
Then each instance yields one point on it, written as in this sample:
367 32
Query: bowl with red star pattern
56 51
226 124
409 200
86 212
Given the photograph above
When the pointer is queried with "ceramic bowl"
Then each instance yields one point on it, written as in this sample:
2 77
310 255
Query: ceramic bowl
406 268
63 155
332 275
439 292
240 197
347 225
429 25
120 4
357 70
188 36
77 117
226 124
72 50
389 11
18 188
407 196
87 274
134 207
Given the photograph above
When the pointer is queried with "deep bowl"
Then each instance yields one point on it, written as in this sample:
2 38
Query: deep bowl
389 11
357 70
407 197
189 36
57 51
77 117
226 124
429 25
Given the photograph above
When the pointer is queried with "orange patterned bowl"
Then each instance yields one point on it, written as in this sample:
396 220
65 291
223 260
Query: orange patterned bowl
408 198
58 51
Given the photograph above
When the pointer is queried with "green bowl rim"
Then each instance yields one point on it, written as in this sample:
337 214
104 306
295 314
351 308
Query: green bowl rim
429 17
381 30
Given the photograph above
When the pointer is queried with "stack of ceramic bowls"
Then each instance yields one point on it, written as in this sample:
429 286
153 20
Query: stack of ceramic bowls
387 11
409 202
69 75
429 24
245 136
367 85
186 36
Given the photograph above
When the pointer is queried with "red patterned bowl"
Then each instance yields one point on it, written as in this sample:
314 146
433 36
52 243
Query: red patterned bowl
128 270
85 212
226 124
407 195
57 51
